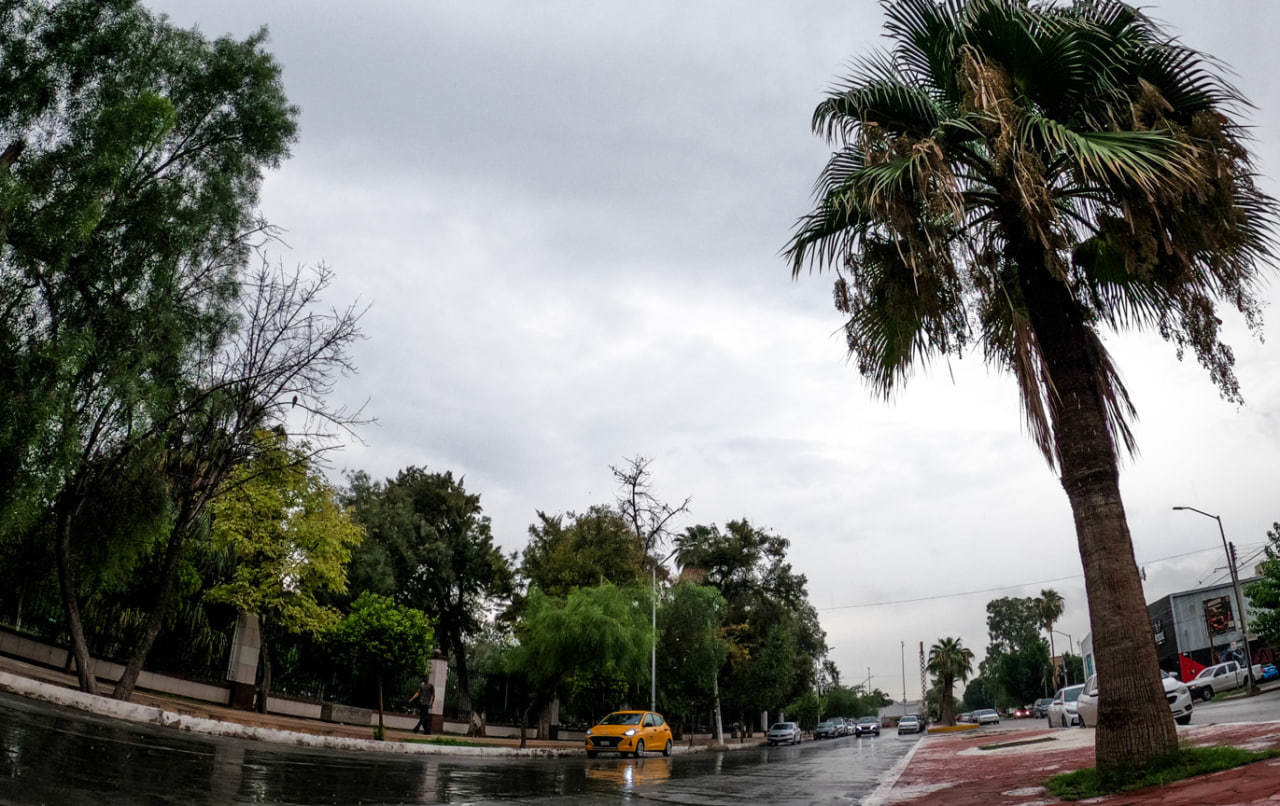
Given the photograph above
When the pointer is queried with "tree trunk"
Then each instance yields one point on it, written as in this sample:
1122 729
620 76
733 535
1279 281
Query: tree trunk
155 619
264 660
1134 722
70 603
474 727
948 706
381 730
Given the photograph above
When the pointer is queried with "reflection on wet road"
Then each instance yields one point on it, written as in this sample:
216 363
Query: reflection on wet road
50 755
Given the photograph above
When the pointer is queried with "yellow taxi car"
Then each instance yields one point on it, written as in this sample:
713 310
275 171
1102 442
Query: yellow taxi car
633 732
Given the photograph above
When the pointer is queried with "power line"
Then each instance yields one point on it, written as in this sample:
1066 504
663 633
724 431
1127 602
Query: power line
998 588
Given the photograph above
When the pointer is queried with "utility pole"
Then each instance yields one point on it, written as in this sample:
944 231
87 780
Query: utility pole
1235 586
902 647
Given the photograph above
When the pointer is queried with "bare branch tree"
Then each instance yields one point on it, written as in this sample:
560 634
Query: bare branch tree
649 517
276 371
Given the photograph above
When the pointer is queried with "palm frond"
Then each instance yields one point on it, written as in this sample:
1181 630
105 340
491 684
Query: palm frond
894 106
1139 158
926 49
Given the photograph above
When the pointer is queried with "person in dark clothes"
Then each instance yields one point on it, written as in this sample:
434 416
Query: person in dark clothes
426 697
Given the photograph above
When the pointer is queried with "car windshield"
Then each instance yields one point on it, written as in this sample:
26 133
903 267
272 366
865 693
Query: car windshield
910 719
1206 673
622 718
868 720
783 726
1072 694
986 711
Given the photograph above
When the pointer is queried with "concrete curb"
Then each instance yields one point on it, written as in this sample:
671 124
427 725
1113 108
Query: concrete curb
147 715
880 795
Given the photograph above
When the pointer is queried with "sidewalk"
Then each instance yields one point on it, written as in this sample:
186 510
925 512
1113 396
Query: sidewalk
57 687
952 770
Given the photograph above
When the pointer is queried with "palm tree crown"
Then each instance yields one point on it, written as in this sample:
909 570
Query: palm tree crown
950 660
999 138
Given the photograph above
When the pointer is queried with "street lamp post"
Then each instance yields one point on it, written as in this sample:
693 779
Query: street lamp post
1235 586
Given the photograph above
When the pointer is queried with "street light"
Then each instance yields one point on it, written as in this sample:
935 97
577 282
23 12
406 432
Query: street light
1235 586
653 654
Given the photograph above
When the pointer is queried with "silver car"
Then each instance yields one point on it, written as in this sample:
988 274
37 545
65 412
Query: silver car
910 724
783 733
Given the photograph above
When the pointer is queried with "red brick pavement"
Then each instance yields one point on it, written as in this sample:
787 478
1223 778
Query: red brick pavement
942 774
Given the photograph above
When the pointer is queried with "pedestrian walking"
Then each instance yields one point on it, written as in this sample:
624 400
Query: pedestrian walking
426 697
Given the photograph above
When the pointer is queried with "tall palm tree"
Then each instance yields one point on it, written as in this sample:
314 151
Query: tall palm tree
1050 606
949 660
1023 175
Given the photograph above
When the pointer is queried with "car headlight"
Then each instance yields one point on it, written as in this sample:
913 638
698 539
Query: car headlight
588 731
1183 690
630 732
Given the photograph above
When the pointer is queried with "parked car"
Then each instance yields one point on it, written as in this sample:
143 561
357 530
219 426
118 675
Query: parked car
986 716
830 729
783 733
924 721
1040 708
967 716
1062 711
633 732
846 726
1177 695
1263 672
910 724
865 725
1221 677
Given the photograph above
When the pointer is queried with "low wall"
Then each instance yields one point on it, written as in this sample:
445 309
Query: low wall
26 648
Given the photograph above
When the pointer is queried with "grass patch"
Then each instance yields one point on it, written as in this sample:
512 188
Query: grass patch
1183 763
1016 744
447 742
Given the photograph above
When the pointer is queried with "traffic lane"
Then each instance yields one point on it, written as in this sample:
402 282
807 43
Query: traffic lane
1264 707
53 755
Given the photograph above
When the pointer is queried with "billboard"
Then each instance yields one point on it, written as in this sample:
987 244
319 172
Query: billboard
1217 615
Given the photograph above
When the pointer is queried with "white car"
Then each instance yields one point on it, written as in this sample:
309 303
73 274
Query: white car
1178 696
1062 711
986 716
1221 677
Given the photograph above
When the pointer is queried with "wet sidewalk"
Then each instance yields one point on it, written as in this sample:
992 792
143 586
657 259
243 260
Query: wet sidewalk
954 770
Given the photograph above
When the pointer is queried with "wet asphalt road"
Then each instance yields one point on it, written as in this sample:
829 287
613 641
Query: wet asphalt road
50 755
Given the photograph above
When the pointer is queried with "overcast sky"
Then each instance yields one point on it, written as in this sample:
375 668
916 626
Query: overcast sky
567 218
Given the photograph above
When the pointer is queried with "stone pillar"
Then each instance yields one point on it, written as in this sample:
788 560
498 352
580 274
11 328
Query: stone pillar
242 665
438 674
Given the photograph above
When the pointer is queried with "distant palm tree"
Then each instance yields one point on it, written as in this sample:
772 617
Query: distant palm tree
949 660
1050 606
1023 176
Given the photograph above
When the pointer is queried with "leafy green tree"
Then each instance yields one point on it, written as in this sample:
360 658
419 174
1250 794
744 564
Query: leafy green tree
806 710
128 184
1264 595
1017 677
1050 606
289 541
776 642
691 649
950 660
383 637
591 647
581 551
978 694
1025 175
429 545
1012 623
1073 666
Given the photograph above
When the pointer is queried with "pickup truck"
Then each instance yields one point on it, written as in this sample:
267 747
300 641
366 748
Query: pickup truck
1222 677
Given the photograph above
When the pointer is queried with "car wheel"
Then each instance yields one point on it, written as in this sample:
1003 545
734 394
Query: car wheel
666 749
639 748
1207 694
1050 719
1183 720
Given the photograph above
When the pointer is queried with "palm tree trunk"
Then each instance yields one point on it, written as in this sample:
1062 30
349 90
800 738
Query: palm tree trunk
1134 722
1052 653
948 714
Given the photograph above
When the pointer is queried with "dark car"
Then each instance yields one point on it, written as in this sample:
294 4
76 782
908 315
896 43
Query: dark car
828 730
865 725
1040 708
